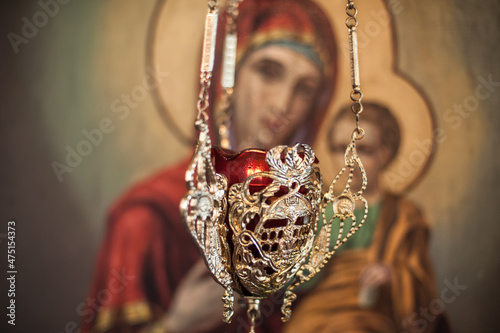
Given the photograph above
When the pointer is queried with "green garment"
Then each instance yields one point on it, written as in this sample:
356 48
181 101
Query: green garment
361 239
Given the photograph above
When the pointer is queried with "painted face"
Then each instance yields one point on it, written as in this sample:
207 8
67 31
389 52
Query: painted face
275 91
373 154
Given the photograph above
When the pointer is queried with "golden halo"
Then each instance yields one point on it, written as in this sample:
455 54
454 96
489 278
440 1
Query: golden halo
174 45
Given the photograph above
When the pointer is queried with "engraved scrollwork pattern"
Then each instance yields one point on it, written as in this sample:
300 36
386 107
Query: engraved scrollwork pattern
273 228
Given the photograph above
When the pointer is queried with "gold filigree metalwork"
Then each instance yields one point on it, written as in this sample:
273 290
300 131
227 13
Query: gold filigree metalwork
203 209
343 205
274 240
273 228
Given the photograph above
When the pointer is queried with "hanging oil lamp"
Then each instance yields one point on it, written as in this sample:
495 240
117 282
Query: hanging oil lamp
254 215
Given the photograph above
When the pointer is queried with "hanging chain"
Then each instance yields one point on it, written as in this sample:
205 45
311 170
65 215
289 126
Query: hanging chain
356 95
207 64
230 47
202 118
228 73
343 204
232 12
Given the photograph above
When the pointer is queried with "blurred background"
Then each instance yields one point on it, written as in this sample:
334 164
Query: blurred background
66 65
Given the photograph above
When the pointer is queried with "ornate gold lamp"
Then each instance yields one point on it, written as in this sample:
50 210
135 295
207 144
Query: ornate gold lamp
254 215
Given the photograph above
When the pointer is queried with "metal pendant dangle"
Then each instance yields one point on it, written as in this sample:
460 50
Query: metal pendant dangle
203 207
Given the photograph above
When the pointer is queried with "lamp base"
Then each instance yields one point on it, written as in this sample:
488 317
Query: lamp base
253 311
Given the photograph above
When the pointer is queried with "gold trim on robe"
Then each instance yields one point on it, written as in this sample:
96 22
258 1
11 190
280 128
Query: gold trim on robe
133 313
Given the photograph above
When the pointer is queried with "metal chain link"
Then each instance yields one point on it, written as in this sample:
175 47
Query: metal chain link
201 122
203 100
212 5
232 16
356 95
223 113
